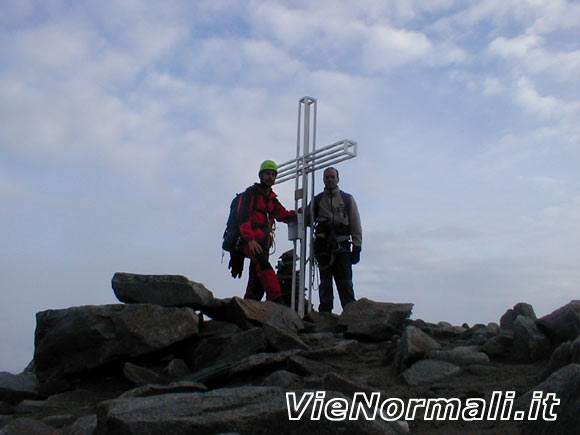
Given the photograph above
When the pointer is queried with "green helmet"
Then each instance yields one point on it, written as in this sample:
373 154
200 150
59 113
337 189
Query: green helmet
268 165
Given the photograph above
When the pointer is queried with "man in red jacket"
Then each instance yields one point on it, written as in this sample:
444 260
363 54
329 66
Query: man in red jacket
261 207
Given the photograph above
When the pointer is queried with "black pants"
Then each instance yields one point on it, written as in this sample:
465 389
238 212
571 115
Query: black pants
341 270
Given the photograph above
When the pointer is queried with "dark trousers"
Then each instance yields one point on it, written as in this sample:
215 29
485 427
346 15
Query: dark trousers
341 271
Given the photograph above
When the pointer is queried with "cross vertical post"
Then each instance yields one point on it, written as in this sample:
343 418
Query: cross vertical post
304 165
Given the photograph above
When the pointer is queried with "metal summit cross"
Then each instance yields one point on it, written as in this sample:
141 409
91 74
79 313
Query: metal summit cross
302 169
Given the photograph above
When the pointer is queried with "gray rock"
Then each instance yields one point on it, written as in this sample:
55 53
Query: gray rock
412 346
282 339
27 426
82 426
520 309
481 334
461 356
247 313
58 421
448 331
164 290
335 382
177 368
217 328
80 338
226 349
566 353
284 379
173 387
307 367
142 376
255 410
219 374
500 345
482 370
530 344
427 371
35 406
323 322
374 321
14 388
565 384
563 324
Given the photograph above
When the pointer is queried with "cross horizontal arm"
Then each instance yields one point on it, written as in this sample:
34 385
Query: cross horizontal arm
317 159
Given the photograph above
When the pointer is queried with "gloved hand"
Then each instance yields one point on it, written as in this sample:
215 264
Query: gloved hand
236 264
355 255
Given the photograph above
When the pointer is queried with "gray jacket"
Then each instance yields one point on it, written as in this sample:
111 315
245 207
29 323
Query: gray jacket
331 209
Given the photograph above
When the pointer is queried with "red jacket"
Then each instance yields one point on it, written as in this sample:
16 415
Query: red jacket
263 209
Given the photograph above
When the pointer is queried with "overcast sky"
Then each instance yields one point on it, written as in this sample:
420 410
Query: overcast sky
128 126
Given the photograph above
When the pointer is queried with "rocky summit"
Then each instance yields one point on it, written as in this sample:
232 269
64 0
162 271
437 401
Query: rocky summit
173 359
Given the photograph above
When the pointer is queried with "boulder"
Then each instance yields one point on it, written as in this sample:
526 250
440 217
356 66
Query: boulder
565 384
520 309
566 353
412 346
285 379
461 356
27 426
76 339
530 344
14 388
322 322
373 321
164 290
248 409
247 313
174 387
58 421
281 338
82 426
483 333
177 368
142 376
500 345
562 324
226 349
427 371
219 374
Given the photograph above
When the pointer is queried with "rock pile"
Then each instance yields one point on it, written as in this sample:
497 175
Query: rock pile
175 359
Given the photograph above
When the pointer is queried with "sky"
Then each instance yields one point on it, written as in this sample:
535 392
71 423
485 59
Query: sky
128 126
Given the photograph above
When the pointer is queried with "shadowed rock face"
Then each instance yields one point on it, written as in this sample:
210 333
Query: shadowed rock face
81 338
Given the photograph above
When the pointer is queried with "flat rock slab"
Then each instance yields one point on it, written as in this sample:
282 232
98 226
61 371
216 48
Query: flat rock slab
76 339
428 371
245 410
14 388
164 290
155 390
374 321
247 314
461 356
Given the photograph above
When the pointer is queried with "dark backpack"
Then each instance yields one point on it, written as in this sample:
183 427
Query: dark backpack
238 214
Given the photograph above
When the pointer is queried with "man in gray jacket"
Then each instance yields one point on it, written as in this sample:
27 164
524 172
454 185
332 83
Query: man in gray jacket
337 226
